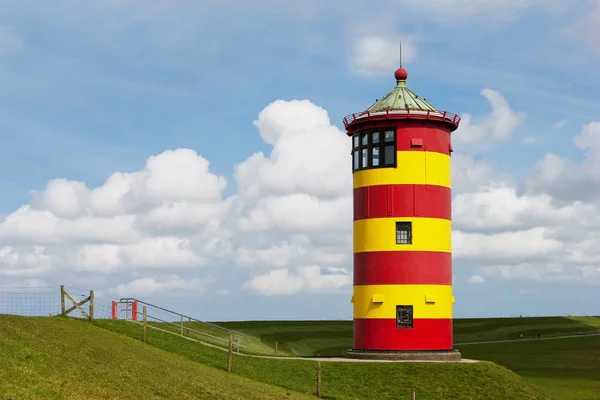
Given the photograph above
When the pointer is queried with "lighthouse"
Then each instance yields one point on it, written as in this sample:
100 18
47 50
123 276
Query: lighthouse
401 164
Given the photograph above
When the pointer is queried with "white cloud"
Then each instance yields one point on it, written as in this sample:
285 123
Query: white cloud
289 223
171 285
375 55
476 279
9 42
167 215
499 126
588 27
469 174
545 230
303 280
290 214
565 180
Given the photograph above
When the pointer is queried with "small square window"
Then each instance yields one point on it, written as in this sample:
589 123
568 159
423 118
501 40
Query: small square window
355 140
356 160
404 316
375 156
404 232
365 158
365 139
375 137
389 136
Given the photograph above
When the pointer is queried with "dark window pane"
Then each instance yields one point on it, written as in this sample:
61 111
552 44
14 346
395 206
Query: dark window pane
404 316
365 158
375 137
375 156
389 136
365 139
403 232
389 155
355 139
356 159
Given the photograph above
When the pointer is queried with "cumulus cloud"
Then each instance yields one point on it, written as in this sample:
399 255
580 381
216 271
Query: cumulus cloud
498 126
566 180
294 206
171 285
167 215
588 27
476 279
288 224
376 55
305 279
543 229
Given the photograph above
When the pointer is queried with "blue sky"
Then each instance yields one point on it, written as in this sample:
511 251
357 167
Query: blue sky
89 90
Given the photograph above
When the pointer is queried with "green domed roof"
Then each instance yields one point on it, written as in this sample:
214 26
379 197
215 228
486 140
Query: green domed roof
401 97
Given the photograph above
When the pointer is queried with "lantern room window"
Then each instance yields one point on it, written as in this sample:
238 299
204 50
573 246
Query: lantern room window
375 148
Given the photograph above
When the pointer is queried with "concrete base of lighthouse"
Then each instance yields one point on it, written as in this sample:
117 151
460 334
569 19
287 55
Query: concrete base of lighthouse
394 355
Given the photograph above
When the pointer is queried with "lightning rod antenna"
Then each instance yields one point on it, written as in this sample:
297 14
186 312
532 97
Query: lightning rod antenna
400 54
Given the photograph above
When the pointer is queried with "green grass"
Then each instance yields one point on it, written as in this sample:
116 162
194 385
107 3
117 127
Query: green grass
567 368
331 338
62 358
452 381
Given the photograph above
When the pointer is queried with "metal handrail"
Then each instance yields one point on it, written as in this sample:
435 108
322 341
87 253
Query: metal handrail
131 300
182 327
444 116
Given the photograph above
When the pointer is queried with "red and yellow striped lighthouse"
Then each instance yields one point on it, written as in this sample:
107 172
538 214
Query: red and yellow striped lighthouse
402 296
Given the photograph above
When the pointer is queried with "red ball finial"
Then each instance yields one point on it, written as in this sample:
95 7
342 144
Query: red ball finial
400 74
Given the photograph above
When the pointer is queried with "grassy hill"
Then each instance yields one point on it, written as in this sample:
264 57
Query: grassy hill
344 380
312 338
60 358
567 368
57 358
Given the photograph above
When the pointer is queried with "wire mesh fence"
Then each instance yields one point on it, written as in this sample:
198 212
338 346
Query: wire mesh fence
47 301
32 302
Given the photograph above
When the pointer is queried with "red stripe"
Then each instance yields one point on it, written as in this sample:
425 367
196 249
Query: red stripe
383 201
382 334
432 139
403 268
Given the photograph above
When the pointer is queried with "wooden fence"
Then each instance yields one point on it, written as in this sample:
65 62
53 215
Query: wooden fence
77 305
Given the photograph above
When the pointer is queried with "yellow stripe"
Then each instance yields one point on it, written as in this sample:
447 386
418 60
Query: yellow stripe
413 167
419 296
379 234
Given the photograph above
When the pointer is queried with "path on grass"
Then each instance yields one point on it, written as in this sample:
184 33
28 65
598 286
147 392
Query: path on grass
344 359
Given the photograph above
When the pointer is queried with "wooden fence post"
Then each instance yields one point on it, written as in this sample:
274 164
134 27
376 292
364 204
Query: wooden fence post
319 379
230 355
182 326
91 306
144 330
413 396
62 300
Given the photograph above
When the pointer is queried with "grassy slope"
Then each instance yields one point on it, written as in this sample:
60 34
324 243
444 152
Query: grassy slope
59 358
569 368
311 338
356 380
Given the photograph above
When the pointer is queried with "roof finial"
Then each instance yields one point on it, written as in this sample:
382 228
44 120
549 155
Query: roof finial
400 73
